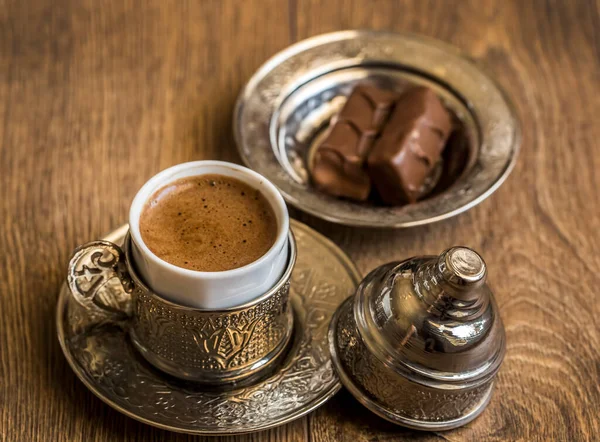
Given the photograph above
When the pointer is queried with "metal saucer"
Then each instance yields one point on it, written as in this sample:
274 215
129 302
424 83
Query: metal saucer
287 104
101 355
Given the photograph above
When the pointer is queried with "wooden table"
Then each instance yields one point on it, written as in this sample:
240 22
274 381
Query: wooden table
96 97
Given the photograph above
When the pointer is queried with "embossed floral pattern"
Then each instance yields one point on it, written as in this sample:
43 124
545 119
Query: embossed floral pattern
195 340
102 356
394 392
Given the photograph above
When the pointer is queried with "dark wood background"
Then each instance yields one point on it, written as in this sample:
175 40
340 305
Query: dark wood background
98 96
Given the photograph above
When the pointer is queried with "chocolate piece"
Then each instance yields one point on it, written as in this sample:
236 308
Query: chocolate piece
368 108
338 167
409 147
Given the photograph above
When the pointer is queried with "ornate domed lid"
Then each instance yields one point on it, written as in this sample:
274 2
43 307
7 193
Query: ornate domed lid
433 315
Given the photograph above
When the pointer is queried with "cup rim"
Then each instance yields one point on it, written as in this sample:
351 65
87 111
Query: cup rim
161 179
291 261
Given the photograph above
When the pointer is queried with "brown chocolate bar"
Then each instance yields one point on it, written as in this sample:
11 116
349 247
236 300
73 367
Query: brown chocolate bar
338 167
368 108
409 147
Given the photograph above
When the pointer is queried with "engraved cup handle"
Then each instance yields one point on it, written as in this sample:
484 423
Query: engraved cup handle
99 280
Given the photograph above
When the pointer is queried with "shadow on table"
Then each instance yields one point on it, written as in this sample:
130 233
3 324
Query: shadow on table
345 419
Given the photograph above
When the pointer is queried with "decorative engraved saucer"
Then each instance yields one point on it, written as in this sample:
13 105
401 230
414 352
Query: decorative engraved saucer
100 353
284 110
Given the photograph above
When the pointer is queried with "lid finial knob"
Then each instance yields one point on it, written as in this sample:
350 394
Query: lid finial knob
462 266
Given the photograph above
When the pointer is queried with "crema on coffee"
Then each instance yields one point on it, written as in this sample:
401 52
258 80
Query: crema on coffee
208 223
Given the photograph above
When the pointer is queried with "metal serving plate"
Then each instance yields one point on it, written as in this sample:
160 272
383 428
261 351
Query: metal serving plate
284 109
102 356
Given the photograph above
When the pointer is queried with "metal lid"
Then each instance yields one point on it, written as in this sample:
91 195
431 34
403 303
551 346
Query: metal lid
434 316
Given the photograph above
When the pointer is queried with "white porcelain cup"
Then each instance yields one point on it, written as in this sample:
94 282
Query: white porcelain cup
210 290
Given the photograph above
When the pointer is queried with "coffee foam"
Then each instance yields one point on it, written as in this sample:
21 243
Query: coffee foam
208 223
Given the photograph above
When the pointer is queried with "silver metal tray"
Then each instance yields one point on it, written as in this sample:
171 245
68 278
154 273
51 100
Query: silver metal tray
101 355
286 106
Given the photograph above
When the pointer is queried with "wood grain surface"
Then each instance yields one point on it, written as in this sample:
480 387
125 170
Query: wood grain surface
97 96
